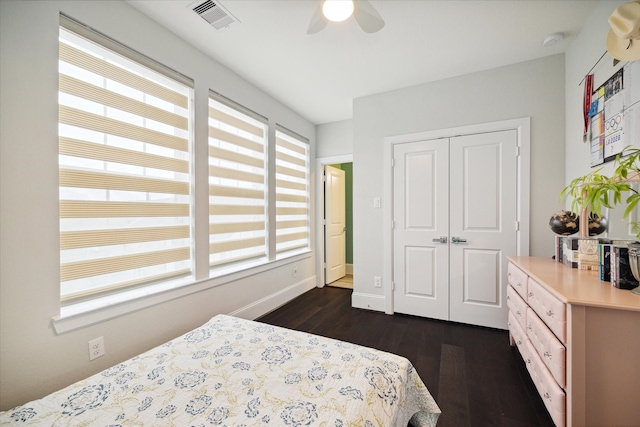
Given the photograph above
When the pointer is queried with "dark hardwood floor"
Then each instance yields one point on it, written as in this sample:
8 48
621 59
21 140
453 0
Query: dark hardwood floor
476 378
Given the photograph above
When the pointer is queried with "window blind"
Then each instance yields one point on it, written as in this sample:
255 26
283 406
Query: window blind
292 191
124 170
237 184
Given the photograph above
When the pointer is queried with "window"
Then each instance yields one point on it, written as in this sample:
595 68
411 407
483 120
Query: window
125 167
126 178
292 192
237 185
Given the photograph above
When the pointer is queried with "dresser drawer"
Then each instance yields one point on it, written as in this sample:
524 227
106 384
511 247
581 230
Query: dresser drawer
518 279
549 348
552 395
551 310
518 334
517 306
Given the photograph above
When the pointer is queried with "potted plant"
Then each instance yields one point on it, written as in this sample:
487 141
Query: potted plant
628 170
592 192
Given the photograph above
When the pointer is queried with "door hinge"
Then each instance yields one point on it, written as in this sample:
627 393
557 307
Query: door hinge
393 163
393 286
393 224
517 225
517 151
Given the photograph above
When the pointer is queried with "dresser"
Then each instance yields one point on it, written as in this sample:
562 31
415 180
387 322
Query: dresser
580 340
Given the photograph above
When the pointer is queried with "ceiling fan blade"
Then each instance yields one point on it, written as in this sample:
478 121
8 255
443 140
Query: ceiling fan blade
318 21
367 17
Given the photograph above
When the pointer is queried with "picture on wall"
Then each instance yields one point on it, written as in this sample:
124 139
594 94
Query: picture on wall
606 115
614 115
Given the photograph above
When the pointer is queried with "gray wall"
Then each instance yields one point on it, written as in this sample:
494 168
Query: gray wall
336 137
582 55
530 89
34 361
534 89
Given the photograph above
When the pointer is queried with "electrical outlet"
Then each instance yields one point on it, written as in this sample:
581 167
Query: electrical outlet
294 272
96 348
377 282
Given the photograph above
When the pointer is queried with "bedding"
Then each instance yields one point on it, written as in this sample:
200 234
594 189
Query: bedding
235 372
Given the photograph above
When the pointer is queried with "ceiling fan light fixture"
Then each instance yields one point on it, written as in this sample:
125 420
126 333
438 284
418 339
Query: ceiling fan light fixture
337 10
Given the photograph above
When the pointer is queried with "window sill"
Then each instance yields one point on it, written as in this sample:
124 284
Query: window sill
86 313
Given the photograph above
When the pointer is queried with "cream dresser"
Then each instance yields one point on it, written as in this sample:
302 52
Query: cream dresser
580 339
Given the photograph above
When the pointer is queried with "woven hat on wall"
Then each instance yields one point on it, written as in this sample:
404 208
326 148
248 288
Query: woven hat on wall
623 40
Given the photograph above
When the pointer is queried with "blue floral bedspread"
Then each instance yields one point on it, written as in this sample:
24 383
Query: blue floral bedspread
235 372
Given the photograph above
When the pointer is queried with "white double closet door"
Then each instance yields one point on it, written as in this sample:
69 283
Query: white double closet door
454 223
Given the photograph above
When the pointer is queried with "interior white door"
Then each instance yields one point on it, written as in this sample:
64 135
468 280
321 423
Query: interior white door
421 202
454 223
335 224
483 228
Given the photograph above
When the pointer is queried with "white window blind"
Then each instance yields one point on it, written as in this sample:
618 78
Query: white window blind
125 170
292 191
237 184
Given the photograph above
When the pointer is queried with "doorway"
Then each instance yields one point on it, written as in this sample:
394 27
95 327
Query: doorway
439 261
329 271
454 215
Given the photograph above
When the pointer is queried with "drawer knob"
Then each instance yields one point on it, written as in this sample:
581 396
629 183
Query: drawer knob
550 313
547 396
547 355
530 294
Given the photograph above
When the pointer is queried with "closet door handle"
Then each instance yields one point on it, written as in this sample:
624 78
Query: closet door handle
441 239
458 240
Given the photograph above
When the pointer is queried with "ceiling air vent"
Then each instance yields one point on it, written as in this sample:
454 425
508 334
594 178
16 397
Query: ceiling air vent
213 12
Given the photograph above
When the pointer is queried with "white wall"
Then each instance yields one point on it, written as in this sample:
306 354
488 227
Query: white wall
531 89
34 360
334 139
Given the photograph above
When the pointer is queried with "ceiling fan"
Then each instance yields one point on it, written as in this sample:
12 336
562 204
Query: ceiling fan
339 10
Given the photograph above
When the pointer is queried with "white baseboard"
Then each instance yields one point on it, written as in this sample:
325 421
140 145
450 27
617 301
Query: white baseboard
275 300
349 268
368 301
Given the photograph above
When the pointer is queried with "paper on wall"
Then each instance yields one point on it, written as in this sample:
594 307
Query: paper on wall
631 83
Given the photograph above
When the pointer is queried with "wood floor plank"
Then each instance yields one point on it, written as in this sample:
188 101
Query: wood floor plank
453 397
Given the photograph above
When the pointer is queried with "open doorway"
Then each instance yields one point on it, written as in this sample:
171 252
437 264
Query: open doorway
338 225
334 239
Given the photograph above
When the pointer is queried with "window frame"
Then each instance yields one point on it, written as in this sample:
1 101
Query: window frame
286 164
81 313
112 119
240 142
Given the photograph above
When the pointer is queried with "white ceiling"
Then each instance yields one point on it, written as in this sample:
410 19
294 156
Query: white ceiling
319 75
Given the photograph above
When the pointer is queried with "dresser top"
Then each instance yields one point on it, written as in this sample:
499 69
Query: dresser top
574 286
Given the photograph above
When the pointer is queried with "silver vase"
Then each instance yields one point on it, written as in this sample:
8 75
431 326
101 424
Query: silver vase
634 262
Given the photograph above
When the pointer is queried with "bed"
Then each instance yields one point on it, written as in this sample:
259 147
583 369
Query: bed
235 372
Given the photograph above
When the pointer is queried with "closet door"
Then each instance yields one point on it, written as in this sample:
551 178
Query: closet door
421 207
454 216
483 228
